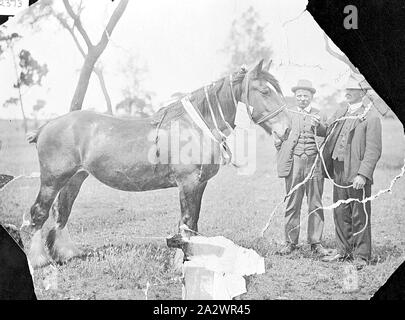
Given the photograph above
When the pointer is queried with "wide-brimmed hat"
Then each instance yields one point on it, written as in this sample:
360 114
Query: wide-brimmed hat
357 82
305 85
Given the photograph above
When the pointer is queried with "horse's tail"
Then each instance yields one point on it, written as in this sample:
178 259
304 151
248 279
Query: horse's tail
32 136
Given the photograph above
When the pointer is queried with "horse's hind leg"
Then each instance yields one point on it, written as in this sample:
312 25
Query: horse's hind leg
39 214
61 247
51 183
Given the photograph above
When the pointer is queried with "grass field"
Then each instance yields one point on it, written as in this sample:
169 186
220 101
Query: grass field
112 225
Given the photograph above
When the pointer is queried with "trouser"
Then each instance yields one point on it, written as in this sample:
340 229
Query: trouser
351 218
313 189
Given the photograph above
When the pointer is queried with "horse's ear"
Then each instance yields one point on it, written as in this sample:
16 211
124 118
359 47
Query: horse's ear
256 70
268 65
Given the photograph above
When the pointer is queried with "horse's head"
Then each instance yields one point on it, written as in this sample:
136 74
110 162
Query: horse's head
262 92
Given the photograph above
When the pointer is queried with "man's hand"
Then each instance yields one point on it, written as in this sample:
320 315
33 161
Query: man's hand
278 144
359 182
315 121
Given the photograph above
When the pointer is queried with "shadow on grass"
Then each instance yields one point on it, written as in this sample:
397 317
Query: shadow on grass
385 251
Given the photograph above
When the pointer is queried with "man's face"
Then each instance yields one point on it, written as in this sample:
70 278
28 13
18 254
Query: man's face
354 95
303 97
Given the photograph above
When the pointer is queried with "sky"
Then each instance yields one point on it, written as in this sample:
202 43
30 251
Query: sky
179 41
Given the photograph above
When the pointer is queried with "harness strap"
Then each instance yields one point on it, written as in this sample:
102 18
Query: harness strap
228 126
247 97
200 122
232 93
197 118
214 120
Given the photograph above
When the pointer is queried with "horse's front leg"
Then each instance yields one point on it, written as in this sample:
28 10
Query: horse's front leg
190 203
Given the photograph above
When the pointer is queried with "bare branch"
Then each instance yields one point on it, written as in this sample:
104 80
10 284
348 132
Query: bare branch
97 70
78 23
99 73
119 10
65 25
9 37
341 57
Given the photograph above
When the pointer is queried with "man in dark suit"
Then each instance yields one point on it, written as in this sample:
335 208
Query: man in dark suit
351 155
295 158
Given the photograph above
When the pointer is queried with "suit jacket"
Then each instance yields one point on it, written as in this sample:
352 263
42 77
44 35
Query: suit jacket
363 146
285 152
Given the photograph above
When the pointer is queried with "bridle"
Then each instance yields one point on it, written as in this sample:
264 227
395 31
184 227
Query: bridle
216 133
265 115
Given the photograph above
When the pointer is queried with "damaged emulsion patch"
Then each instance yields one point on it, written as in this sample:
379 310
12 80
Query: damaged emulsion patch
214 267
16 281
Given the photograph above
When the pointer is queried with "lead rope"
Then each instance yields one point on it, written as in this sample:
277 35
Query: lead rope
320 153
320 150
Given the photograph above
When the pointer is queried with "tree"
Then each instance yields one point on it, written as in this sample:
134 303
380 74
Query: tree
246 41
7 40
136 101
31 74
71 22
38 106
93 51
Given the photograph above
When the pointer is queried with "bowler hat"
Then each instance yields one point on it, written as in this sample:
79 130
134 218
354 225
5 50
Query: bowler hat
357 82
305 85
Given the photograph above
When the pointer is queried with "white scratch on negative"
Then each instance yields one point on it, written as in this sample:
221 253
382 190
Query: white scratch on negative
32 175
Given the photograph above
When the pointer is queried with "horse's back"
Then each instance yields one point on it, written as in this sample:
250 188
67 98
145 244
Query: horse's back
81 135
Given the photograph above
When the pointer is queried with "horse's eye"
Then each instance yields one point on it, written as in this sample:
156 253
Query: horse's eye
265 91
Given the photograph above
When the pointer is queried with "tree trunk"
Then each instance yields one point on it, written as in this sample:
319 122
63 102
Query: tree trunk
83 83
94 52
98 71
107 98
24 117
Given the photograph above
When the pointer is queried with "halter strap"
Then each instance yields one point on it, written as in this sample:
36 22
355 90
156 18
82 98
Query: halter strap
247 97
270 115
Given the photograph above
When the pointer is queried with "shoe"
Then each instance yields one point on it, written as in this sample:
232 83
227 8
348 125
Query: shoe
359 263
334 258
288 249
318 249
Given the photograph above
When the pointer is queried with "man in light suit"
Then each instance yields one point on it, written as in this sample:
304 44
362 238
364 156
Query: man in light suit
351 155
295 158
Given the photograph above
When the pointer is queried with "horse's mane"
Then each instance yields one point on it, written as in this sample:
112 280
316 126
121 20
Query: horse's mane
175 110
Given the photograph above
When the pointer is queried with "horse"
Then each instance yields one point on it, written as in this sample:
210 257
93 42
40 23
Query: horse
133 154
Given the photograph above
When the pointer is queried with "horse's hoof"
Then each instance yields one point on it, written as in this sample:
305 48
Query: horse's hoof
37 255
67 253
60 246
38 261
178 259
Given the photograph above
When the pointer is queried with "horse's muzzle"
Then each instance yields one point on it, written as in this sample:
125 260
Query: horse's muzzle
284 137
